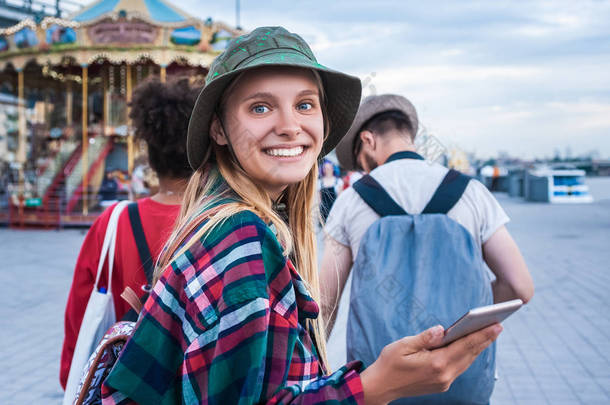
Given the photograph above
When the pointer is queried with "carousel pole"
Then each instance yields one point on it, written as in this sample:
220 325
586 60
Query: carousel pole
163 74
21 153
130 153
69 101
85 142
105 103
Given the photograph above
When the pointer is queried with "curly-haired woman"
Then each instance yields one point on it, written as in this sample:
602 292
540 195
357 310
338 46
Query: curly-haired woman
160 114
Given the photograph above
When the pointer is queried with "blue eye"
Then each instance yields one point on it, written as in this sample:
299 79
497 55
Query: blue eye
259 109
305 106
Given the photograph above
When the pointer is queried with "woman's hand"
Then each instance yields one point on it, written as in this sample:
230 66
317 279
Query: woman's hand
410 366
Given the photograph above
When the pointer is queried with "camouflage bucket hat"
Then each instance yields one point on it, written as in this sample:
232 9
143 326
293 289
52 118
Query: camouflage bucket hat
270 46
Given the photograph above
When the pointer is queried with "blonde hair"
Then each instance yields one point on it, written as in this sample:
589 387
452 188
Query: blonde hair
221 188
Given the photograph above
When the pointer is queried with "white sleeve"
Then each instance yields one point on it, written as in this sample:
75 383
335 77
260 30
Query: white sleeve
491 215
335 223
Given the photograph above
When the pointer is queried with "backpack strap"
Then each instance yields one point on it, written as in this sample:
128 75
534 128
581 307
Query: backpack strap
140 238
448 193
145 258
376 197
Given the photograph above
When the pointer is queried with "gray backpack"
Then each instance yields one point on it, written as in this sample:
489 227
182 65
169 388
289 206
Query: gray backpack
413 272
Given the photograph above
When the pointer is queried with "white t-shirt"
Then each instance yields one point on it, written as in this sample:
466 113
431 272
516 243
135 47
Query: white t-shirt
411 183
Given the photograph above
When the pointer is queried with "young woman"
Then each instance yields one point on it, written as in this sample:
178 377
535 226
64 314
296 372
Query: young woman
160 113
233 318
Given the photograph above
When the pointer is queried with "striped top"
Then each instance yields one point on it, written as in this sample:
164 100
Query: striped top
224 325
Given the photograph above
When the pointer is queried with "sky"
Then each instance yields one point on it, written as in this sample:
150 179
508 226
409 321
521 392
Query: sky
527 78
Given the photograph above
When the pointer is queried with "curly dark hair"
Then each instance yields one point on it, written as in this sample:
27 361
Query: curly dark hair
160 114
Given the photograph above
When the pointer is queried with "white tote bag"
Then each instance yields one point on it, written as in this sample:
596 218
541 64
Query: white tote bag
99 314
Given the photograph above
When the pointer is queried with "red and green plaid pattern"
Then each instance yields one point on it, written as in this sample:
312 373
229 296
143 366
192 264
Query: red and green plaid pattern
224 325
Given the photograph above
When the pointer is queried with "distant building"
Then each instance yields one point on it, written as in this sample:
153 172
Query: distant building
556 185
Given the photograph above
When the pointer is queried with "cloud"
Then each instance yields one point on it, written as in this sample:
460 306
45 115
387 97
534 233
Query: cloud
439 74
553 24
452 52
524 77
525 129
583 115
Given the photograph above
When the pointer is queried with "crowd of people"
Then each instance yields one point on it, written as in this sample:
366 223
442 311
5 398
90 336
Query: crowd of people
236 309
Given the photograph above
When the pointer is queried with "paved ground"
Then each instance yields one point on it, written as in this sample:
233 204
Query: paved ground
554 351
35 276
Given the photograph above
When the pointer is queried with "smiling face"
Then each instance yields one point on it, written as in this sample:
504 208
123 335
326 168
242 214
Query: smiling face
275 125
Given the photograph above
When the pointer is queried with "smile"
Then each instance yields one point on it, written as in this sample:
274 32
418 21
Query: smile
289 152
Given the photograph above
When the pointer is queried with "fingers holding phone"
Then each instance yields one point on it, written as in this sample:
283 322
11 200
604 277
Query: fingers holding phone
462 352
411 367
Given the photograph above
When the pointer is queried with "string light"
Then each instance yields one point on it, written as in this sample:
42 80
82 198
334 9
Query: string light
28 22
63 77
48 21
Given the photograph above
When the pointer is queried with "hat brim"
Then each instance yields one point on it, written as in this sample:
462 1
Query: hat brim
342 100
370 107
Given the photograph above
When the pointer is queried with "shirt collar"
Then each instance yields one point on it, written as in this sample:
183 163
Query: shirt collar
308 308
405 154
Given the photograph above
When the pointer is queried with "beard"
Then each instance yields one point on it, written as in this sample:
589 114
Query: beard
369 162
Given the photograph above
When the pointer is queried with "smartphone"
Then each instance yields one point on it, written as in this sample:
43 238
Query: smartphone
479 318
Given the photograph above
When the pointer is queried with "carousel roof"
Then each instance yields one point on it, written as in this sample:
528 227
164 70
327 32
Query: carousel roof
119 31
153 10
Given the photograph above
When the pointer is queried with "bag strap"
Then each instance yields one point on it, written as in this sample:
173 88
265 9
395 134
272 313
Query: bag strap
109 244
146 259
448 193
140 238
376 197
132 299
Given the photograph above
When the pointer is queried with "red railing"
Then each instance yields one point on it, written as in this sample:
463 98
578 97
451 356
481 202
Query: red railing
61 175
56 208
15 214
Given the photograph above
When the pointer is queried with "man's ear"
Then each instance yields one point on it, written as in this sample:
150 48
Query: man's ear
368 138
217 132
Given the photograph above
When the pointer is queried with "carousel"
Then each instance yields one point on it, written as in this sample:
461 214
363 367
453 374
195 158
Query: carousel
65 87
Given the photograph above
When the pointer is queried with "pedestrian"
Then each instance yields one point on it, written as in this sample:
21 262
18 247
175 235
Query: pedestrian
137 186
123 181
329 186
108 190
351 176
381 143
160 113
233 318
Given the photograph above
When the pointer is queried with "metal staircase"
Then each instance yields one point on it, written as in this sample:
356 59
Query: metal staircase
55 166
97 152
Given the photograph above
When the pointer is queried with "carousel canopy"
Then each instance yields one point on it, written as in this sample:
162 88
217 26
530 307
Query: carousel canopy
119 31
154 10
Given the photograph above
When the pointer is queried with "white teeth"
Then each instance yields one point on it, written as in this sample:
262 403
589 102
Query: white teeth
285 152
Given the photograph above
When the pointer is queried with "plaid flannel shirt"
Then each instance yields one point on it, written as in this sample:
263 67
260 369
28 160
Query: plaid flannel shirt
224 325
